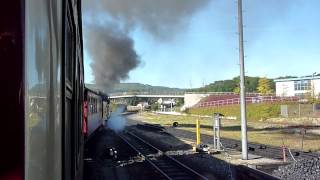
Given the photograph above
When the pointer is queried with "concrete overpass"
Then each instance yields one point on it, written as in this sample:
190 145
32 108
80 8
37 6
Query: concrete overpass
146 96
190 98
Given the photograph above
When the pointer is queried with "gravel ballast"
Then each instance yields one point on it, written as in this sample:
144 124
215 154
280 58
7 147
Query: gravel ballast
302 169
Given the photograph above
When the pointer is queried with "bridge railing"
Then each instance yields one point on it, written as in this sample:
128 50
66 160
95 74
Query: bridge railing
146 93
181 93
231 93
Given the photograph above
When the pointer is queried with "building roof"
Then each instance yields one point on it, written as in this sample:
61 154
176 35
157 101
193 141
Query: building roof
297 79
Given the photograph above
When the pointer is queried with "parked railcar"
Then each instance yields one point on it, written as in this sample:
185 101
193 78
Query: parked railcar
42 88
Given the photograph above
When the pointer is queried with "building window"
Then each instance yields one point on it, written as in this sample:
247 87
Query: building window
302 85
301 95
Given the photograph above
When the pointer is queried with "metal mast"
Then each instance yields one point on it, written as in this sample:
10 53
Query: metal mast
242 86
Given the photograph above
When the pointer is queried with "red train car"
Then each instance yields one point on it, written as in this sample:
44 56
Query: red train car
96 111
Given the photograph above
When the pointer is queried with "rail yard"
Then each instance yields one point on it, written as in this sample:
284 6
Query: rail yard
168 152
171 89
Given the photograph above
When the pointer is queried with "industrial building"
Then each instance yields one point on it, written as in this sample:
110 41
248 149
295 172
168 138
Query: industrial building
298 86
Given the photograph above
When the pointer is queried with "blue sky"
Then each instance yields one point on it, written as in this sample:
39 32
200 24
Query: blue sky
282 37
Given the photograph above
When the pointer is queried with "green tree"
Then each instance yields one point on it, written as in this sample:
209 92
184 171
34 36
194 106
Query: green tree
237 90
155 106
264 86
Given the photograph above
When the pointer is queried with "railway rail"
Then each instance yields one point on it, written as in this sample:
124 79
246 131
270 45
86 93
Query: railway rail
254 148
238 172
155 127
270 151
263 150
167 166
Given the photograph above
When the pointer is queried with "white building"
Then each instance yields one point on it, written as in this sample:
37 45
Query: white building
298 86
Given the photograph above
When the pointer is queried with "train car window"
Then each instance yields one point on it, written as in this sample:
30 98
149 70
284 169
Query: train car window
70 102
88 101
67 141
80 116
69 57
92 106
95 104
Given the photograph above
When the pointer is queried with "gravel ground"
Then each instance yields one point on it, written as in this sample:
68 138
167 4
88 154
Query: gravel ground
205 164
165 141
256 149
303 169
98 166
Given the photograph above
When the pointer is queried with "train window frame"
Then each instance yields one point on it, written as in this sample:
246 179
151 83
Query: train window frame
70 92
95 105
69 51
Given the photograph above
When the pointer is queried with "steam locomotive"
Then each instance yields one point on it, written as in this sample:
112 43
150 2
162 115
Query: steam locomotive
43 94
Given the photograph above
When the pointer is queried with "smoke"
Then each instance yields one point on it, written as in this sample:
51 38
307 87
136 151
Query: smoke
161 18
108 24
113 54
116 121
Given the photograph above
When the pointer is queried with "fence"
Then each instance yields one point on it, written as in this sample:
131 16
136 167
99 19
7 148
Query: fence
229 93
249 100
300 110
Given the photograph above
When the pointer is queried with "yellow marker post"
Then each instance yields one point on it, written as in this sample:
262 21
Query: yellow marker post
198 131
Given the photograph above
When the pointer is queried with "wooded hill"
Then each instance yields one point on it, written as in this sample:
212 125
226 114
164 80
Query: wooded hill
138 87
253 84
232 85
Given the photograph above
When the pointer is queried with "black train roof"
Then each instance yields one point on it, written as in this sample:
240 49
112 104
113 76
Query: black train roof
105 97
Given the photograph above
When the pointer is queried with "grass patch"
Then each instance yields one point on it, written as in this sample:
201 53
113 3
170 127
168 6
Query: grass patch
254 111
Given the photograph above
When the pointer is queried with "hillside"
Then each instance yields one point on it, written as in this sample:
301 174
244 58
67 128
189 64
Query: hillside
138 87
231 85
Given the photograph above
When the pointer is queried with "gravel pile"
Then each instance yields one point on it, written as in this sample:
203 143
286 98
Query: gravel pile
303 169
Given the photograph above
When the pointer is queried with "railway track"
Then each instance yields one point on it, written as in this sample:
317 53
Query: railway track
253 148
167 166
154 127
269 151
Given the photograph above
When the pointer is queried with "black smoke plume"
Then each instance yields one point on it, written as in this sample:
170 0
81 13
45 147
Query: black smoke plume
108 24
113 55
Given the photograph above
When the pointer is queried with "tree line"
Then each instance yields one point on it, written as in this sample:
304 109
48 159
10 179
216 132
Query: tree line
253 84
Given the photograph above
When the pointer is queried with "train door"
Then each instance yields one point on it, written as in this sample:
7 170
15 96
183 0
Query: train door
72 106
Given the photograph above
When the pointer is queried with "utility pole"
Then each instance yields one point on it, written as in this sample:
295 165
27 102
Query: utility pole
313 92
242 86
